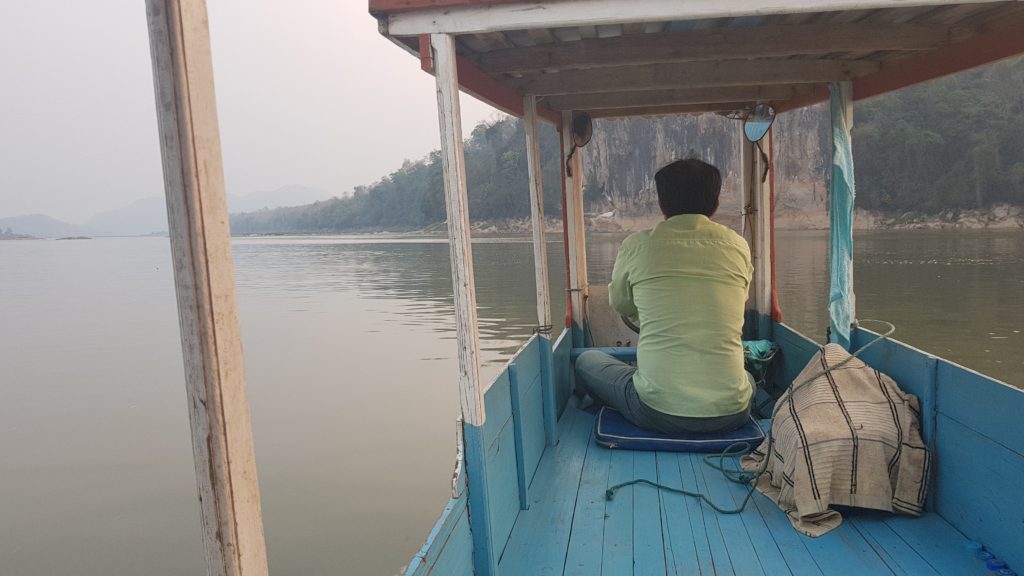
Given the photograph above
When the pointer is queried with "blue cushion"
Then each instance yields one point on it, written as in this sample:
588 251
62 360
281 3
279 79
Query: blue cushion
612 430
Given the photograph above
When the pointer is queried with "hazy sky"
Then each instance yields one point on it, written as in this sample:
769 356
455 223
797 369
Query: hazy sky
307 91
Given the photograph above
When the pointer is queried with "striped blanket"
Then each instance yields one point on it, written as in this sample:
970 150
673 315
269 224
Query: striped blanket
851 437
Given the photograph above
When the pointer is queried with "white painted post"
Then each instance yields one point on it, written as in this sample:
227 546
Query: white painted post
467 336
540 253
540 264
204 280
756 201
575 218
454 164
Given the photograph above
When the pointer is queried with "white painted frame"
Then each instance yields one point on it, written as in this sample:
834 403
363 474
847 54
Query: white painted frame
575 219
756 200
453 161
211 343
540 253
485 18
540 263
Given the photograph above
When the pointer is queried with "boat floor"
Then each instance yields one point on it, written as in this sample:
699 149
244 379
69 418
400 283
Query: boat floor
570 528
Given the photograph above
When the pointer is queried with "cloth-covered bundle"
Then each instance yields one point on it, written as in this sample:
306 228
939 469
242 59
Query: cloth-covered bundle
851 437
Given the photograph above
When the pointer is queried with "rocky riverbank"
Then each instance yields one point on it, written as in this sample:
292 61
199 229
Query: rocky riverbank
998 217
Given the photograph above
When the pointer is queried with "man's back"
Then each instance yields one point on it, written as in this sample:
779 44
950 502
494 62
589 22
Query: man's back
686 280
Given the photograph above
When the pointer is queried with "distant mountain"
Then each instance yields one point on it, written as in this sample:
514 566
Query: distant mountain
149 215
283 196
42 226
141 217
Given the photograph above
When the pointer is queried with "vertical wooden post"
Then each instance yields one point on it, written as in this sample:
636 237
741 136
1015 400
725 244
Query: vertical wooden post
758 231
540 253
573 188
201 251
540 265
467 336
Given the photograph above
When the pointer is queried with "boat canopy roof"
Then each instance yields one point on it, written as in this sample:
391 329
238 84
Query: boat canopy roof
615 58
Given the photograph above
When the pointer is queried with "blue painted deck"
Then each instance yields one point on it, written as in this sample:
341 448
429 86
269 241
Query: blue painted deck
570 528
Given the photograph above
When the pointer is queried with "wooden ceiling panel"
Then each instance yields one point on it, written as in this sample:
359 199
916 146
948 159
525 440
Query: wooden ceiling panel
714 44
693 75
685 96
671 110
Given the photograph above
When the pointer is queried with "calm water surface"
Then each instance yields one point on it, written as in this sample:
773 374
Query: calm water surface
350 355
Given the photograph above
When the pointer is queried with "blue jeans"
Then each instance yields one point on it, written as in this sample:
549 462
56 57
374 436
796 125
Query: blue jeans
610 381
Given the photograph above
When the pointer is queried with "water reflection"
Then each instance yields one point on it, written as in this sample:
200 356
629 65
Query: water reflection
416 274
954 294
910 279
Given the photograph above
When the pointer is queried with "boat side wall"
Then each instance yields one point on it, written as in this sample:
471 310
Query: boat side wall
562 368
796 351
449 548
513 427
971 423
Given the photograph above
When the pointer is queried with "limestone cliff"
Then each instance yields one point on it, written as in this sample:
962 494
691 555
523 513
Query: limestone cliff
620 161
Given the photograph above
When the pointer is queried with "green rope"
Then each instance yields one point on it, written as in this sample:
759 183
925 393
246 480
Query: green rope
739 475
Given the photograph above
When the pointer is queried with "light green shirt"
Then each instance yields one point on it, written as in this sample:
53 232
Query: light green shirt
686 280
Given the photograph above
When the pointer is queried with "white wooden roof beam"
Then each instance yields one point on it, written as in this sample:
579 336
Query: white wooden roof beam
670 110
715 44
693 75
569 13
683 96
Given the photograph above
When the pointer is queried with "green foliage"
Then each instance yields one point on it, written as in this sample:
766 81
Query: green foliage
412 197
951 144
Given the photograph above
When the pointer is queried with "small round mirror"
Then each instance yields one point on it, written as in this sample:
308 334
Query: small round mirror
758 122
582 129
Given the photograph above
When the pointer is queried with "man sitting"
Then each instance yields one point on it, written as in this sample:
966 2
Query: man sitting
686 280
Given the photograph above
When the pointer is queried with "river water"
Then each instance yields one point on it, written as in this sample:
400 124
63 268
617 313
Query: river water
350 356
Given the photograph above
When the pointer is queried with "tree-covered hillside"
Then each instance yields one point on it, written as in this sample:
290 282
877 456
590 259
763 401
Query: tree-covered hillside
953 144
948 145
412 197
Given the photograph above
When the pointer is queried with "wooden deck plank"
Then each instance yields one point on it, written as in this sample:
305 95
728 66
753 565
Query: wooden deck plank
571 529
648 535
704 519
768 551
844 551
587 534
790 542
900 556
681 547
742 550
705 561
937 541
617 556
540 536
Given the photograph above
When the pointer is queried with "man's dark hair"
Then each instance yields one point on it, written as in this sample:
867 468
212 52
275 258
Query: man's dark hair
688 187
